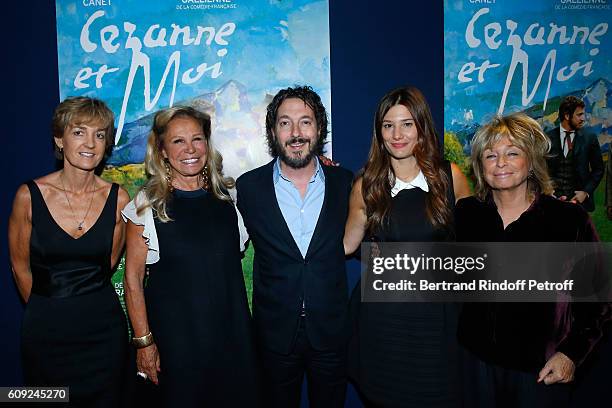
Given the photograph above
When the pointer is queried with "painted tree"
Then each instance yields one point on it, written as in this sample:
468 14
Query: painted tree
453 152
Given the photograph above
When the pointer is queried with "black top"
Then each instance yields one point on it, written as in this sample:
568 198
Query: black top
283 279
74 331
524 335
546 220
197 306
88 268
407 219
407 352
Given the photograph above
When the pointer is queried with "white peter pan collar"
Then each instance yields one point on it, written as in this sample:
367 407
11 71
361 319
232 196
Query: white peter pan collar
418 182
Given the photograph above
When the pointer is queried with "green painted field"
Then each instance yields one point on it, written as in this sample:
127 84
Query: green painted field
247 271
603 225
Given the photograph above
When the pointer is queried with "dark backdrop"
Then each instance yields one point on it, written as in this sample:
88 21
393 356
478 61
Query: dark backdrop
375 46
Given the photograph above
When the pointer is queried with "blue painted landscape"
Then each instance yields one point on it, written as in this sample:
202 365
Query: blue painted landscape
227 58
507 56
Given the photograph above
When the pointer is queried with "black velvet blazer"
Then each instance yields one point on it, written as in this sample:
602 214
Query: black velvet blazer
523 336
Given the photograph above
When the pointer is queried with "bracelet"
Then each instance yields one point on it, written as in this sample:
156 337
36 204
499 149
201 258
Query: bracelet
144 341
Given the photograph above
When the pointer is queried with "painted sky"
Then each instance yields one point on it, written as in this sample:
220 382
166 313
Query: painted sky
475 101
275 44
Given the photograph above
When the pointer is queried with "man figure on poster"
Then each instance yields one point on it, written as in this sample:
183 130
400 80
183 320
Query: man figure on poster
295 209
575 165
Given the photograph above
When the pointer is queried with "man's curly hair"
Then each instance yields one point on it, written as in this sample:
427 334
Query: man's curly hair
568 105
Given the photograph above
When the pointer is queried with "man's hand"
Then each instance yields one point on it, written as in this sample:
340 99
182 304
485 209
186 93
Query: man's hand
579 197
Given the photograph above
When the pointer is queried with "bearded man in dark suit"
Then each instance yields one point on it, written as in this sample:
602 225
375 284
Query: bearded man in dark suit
575 165
295 209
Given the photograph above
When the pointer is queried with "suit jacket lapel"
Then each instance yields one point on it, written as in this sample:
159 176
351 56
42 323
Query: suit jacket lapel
275 213
330 185
578 143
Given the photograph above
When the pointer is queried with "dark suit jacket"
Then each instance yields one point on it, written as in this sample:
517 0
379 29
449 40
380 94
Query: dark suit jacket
282 278
587 158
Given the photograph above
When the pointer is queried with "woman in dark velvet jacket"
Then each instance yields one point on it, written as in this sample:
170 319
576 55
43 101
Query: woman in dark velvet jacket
515 356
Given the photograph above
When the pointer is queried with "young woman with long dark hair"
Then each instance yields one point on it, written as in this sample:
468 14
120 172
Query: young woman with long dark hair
406 193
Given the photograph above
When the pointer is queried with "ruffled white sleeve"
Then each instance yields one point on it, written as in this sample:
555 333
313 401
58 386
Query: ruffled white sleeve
144 219
244 235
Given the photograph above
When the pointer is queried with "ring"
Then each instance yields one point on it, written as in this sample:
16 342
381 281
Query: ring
143 375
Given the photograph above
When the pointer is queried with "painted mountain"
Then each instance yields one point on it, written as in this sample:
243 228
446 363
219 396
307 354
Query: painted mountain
237 130
597 98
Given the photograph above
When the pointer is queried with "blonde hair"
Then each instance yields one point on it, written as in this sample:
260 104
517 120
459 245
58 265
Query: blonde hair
524 133
157 188
82 110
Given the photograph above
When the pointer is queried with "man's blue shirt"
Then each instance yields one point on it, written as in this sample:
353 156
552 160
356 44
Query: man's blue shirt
301 215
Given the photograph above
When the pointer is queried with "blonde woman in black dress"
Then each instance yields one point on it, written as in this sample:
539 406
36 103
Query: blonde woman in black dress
191 320
65 237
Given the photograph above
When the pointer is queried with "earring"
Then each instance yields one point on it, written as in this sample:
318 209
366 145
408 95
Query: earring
205 179
168 175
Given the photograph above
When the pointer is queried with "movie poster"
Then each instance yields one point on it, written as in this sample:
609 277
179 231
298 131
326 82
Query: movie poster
504 56
225 57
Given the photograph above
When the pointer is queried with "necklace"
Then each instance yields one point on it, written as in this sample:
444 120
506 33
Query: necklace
79 223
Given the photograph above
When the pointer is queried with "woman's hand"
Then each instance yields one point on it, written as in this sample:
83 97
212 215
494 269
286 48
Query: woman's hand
558 369
147 358
147 361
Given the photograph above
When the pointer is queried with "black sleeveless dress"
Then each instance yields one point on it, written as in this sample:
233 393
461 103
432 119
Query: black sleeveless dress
74 331
407 352
197 306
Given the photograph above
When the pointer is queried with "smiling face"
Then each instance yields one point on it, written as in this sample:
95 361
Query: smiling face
296 133
505 166
185 148
399 132
83 145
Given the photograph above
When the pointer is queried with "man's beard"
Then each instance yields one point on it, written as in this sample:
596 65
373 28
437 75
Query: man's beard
294 161
576 125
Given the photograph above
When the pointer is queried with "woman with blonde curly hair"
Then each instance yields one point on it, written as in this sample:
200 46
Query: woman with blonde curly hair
515 352
191 322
